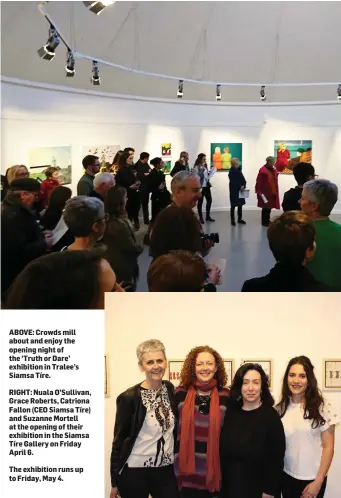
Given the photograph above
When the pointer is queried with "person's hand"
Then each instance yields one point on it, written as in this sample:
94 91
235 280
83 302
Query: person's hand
214 274
208 243
243 188
49 239
134 186
265 495
113 492
162 186
125 286
146 174
312 490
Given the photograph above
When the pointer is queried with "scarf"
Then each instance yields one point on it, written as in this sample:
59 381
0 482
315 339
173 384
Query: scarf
187 439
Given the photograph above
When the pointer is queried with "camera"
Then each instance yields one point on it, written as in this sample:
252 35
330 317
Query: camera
214 237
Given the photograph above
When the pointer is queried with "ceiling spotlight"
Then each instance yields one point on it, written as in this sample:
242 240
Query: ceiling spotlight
262 94
97 7
95 80
180 91
47 52
70 65
339 93
218 93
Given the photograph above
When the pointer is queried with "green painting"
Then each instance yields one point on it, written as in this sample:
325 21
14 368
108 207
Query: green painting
223 153
41 158
167 166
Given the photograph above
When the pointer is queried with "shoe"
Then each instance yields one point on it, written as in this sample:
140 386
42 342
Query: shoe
208 218
233 223
202 221
242 222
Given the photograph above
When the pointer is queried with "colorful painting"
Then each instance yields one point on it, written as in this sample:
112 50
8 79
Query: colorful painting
223 153
106 153
166 149
42 158
167 166
288 153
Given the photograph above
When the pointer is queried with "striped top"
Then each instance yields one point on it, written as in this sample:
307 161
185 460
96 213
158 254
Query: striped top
201 424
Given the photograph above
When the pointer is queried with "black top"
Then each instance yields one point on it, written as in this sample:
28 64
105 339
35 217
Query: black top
141 169
237 181
130 415
291 198
178 166
252 447
286 278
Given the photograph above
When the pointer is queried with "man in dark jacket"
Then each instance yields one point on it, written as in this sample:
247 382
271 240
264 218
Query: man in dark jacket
303 172
142 171
292 242
22 239
85 186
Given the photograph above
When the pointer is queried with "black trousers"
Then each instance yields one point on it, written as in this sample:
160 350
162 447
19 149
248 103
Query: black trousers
133 206
145 203
266 216
293 488
196 493
205 193
159 482
239 210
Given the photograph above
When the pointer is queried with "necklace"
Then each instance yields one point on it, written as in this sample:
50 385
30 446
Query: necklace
204 403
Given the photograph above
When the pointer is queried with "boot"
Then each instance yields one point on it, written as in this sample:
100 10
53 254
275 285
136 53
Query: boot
240 220
208 218
233 222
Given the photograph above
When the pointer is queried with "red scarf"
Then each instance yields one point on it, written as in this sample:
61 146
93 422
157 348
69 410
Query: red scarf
187 439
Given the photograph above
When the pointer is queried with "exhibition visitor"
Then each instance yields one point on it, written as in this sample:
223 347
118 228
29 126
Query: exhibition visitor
142 173
267 190
202 399
291 239
186 190
142 453
102 183
12 173
85 218
22 240
252 441
181 164
200 168
177 271
317 202
52 218
130 151
126 177
91 165
114 166
68 280
237 184
309 424
303 172
122 250
51 182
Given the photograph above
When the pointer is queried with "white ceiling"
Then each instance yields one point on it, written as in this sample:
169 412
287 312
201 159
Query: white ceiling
252 42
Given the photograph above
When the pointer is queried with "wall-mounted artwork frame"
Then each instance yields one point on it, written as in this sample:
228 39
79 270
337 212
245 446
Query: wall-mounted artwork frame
331 370
230 371
288 153
41 158
167 167
106 376
166 149
175 366
221 154
265 363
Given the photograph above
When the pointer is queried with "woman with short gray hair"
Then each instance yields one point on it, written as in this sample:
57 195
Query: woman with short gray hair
142 454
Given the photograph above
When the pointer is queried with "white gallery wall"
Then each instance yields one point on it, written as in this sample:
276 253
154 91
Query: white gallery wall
36 116
237 326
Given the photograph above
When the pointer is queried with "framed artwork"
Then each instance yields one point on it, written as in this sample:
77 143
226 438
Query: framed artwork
167 167
166 149
175 367
41 158
331 374
288 153
221 155
229 367
106 376
266 364
106 153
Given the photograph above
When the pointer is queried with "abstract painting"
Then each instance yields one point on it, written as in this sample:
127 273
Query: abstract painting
223 153
106 153
167 166
166 149
41 158
288 153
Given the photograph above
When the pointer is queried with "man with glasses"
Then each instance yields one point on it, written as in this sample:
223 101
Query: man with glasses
22 239
303 172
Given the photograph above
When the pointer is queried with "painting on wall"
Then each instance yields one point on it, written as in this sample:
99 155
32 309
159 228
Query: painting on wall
266 364
229 367
331 374
166 149
167 166
222 154
288 153
106 153
175 366
41 158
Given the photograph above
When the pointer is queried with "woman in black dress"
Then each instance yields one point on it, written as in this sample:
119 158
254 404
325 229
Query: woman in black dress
126 177
252 442
237 184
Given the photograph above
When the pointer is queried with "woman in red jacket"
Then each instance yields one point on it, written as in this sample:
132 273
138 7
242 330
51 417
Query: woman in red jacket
51 182
267 190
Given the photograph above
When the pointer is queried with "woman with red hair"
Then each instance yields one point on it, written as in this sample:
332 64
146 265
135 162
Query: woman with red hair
202 400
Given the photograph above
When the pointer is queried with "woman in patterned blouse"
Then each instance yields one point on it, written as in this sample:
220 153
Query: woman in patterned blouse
142 454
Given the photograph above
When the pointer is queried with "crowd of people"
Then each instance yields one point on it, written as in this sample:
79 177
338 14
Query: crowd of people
40 219
206 440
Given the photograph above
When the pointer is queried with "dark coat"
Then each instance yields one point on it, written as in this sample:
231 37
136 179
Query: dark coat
141 169
178 166
237 181
291 198
22 240
130 415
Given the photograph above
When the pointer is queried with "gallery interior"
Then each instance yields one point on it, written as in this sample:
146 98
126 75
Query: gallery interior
252 74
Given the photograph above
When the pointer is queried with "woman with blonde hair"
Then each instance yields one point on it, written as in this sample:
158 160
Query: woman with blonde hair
202 400
15 172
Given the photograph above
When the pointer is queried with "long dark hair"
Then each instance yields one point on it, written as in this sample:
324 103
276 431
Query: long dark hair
199 159
56 205
122 160
313 397
236 388
114 202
